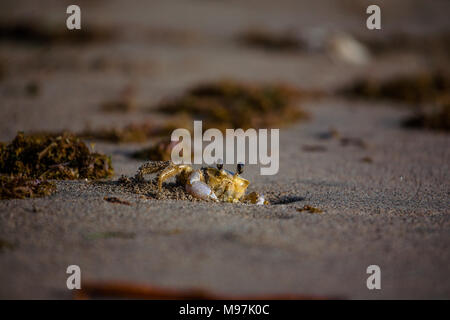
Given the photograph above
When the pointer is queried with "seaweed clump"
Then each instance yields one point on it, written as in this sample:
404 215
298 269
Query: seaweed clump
436 118
6 245
271 41
309 209
117 200
20 187
413 89
428 92
38 32
231 104
45 156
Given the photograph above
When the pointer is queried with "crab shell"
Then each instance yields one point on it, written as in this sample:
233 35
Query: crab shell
227 186
220 185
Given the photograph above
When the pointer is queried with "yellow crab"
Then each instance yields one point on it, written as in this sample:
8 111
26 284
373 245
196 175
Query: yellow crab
217 184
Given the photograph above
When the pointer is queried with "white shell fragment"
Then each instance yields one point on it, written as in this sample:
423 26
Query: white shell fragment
199 189
260 200
339 45
346 48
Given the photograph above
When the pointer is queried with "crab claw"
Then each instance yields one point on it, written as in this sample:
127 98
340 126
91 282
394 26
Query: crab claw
198 188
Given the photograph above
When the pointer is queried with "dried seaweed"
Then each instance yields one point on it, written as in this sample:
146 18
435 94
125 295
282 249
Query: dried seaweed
116 200
20 187
428 92
38 32
366 159
309 209
414 89
433 118
271 41
45 156
6 245
33 89
232 104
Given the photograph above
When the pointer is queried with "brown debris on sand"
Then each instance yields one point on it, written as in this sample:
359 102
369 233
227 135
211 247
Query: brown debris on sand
271 41
433 118
413 89
33 88
19 187
45 156
232 104
366 159
117 200
39 32
6 245
309 209
428 93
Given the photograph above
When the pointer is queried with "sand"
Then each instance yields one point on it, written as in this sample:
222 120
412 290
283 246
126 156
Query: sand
392 211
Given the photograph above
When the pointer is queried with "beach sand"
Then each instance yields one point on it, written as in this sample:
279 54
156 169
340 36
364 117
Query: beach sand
385 202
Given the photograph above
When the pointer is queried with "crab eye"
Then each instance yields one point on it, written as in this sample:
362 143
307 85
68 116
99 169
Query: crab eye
219 164
240 168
